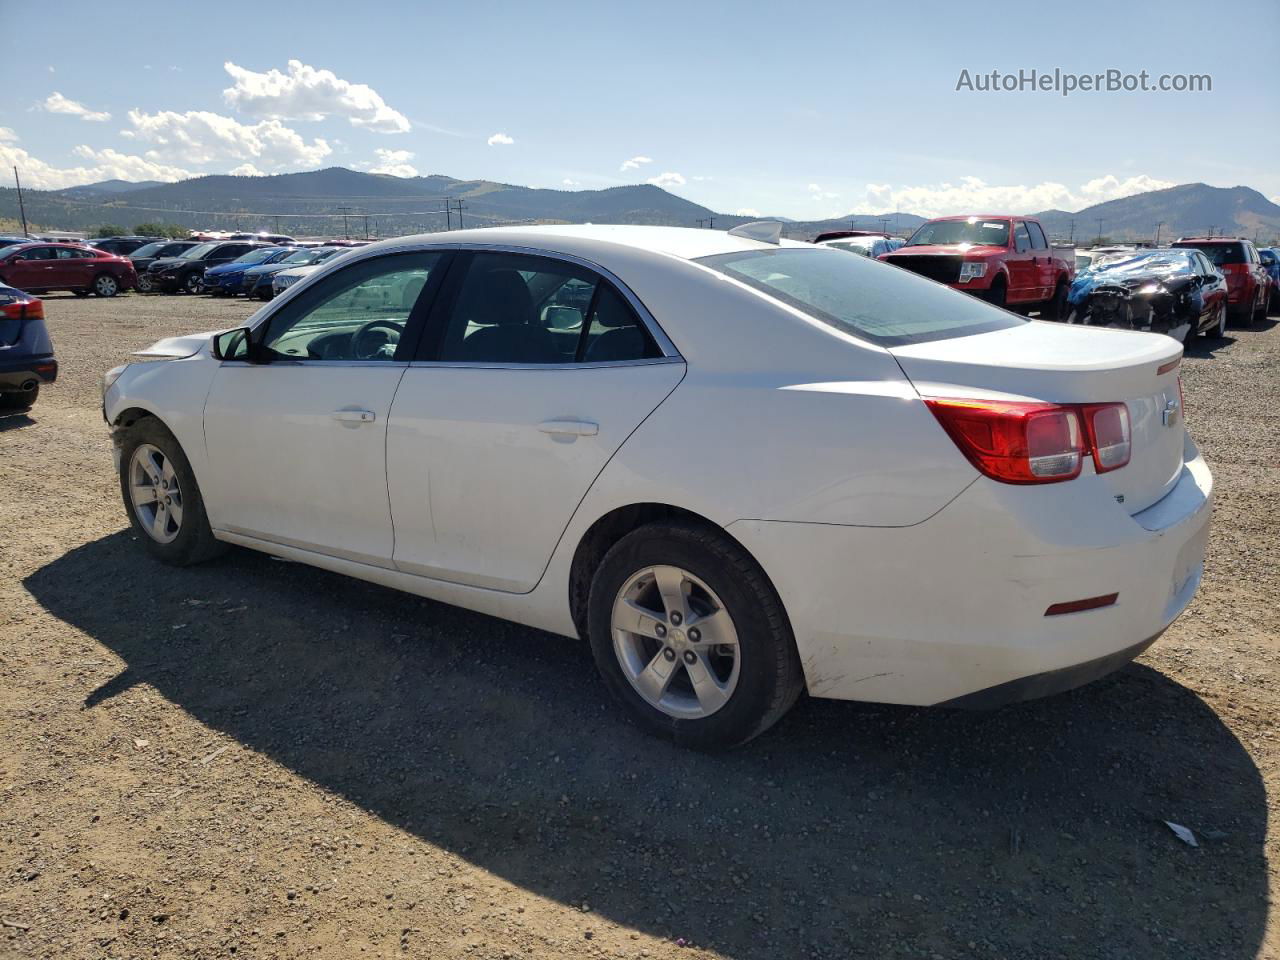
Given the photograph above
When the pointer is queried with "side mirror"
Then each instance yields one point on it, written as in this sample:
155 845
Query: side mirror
235 345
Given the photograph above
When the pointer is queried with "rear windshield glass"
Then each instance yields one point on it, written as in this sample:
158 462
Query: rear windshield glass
1218 253
973 230
878 302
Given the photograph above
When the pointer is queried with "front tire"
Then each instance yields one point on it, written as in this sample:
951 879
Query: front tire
105 285
1219 328
193 283
998 295
1056 307
144 283
162 498
688 633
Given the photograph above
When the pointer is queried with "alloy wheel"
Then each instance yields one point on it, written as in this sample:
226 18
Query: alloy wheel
106 286
676 642
155 493
144 283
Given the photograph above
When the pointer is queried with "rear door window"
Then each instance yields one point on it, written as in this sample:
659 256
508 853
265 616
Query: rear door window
1038 241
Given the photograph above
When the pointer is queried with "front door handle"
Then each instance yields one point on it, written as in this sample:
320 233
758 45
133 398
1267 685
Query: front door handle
570 428
354 416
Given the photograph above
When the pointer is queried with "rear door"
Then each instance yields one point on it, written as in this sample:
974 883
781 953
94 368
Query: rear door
532 374
1023 280
75 267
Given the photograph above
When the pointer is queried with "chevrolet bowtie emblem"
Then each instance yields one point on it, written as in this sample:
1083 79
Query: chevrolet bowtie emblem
1169 416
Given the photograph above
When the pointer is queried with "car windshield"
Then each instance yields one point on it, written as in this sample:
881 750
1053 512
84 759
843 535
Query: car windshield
195 253
973 230
861 296
1267 256
1218 253
148 250
324 253
300 256
257 256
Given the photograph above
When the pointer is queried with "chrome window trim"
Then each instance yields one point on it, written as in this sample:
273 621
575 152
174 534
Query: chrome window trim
597 365
651 324
316 361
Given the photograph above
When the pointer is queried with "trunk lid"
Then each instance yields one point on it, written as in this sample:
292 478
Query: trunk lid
1061 363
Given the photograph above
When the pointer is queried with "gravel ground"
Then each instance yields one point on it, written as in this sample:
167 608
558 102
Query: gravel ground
253 758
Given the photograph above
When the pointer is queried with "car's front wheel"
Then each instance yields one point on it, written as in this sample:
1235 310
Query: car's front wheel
691 637
162 497
144 283
105 285
194 283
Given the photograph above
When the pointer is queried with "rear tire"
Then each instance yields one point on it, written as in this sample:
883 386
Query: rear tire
1259 315
1055 308
758 674
10 402
144 283
188 540
193 283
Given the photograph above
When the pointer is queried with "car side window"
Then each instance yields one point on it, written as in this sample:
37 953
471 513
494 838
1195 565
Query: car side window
66 254
527 309
1038 241
40 253
1021 239
360 312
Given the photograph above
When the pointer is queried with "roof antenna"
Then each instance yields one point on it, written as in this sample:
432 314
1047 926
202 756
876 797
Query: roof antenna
766 231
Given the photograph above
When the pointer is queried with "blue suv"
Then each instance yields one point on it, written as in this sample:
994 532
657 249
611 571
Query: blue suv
225 280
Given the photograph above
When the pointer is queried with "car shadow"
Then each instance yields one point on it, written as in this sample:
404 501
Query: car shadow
15 421
850 829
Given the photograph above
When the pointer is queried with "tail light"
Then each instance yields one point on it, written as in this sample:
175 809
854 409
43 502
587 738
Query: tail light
1015 442
23 310
1025 443
1110 439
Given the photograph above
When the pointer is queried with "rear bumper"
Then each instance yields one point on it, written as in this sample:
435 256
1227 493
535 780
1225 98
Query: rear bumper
17 374
952 610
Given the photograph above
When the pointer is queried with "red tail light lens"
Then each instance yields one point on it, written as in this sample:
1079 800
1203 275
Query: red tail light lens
1015 442
33 309
1110 438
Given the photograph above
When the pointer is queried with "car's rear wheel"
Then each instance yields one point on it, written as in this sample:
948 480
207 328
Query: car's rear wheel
162 497
144 283
691 637
1055 308
105 285
19 401
194 283
1259 315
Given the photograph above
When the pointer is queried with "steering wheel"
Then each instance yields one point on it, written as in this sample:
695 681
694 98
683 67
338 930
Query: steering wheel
371 340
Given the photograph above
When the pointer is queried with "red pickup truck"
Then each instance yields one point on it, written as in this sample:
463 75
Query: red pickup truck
1004 259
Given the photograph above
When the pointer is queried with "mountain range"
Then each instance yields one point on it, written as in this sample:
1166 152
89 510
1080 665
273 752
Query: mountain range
336 200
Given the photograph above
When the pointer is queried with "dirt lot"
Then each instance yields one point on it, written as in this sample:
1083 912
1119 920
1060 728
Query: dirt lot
256 759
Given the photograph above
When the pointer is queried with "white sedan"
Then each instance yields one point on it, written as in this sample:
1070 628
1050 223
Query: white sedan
739 467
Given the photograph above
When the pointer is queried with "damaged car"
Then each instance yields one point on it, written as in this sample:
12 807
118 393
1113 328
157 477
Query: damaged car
1177 292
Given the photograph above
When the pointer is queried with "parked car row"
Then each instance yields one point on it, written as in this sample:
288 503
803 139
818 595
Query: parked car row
1188 288
230 267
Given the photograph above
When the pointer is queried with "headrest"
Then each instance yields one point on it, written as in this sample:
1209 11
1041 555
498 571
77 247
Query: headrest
497 297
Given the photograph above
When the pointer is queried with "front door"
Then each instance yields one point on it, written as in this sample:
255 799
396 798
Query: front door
530 380
32 269
297 444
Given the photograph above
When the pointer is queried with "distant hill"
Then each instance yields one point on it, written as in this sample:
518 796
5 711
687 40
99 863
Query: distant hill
1187 210
313 202
109 187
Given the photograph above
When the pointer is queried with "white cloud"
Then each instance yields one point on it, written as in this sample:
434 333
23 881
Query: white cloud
817 193
1275 199
57 103
500 139
102 165
667 180
198 137
634 163
305 93
246 170
566 181
7 135
394 162
747 212
971 194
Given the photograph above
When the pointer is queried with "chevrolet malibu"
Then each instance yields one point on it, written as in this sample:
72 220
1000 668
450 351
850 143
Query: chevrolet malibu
740 467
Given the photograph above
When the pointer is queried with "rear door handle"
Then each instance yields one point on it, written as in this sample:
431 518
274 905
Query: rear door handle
354 416
570 428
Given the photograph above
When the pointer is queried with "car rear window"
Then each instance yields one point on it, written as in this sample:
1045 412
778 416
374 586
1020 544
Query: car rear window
1218 253
875 301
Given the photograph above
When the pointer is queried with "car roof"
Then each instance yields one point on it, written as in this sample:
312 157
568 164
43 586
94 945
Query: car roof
685 243
1200 240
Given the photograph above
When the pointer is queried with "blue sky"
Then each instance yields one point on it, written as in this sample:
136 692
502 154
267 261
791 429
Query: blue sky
803 109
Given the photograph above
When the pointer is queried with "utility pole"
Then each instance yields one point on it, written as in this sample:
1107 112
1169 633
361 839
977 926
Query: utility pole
22 208
884 224
1158 226
459 214
366 226
448 214
1072 239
